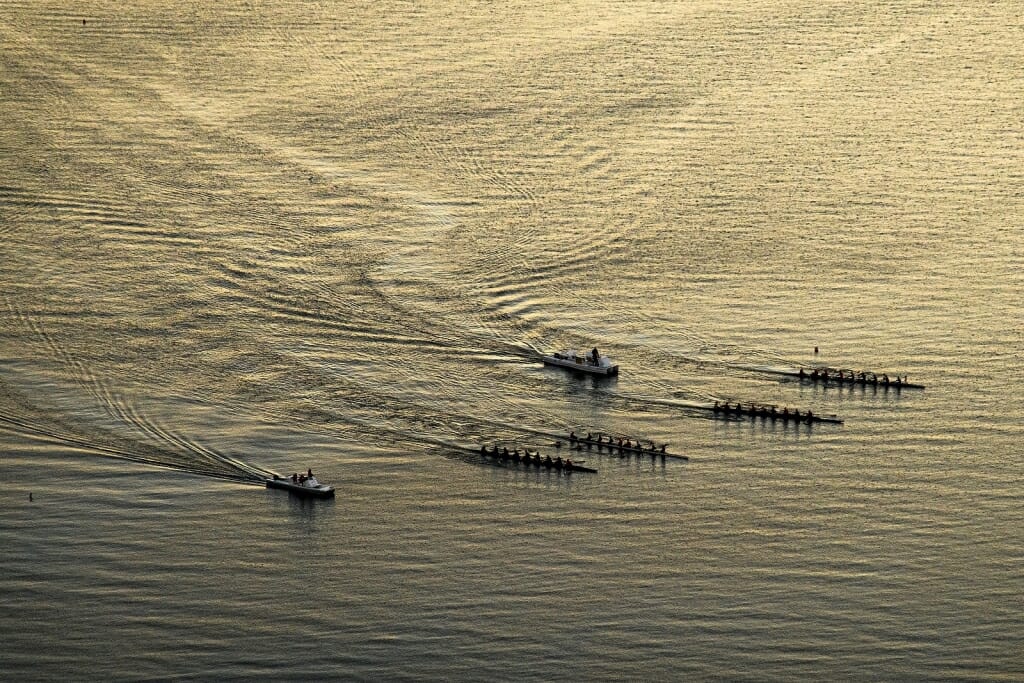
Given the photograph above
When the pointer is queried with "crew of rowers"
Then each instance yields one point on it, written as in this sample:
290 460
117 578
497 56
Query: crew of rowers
611 442
851 376
762 411
527 458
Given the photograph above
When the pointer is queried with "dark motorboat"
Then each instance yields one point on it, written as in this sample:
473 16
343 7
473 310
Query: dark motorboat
302 486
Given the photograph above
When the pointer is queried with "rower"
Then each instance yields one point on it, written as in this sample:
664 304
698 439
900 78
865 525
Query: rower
885 379
504 453
572 437
716 408
663 447
483 450
589 437
810 416
802 373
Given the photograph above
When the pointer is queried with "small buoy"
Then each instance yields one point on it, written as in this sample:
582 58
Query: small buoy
83 22
30 496
815 350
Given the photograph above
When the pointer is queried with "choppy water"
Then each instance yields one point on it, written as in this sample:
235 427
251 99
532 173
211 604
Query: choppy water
261 236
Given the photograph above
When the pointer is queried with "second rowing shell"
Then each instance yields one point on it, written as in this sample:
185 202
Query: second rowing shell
613 448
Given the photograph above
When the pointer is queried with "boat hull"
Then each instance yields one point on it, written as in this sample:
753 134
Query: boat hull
321 491
582 367
777 417
580 444
542 464
846 380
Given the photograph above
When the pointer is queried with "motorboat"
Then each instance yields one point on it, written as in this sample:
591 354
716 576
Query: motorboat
601 365
302 485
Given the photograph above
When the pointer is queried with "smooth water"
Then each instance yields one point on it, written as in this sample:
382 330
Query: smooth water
254 237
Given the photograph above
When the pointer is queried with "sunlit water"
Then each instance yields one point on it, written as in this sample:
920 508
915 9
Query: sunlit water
254 237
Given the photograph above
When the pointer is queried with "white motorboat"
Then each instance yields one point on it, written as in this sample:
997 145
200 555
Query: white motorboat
601 365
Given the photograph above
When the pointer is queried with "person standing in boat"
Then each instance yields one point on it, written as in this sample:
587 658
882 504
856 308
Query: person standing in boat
595 355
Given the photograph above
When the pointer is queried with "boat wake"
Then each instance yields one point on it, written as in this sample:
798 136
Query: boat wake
173 453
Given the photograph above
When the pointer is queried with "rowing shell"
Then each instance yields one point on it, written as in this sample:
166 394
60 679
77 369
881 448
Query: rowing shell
850 379
537 461
627 450
764 413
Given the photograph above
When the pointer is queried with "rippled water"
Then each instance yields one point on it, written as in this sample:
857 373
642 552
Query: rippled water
257 237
